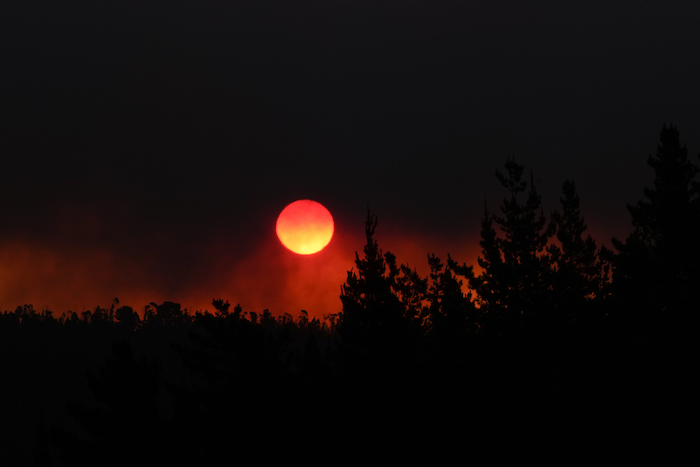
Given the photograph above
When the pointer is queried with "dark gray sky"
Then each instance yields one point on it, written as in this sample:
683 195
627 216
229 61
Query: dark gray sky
147 147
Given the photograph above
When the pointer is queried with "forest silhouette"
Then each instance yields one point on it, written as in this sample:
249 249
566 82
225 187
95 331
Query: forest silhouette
554 348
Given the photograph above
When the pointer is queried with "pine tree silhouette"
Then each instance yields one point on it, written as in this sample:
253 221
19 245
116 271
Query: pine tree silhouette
581 273
374 320
514 286
657 268
451 312
410 288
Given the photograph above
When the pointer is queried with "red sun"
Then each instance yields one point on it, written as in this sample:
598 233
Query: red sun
305 227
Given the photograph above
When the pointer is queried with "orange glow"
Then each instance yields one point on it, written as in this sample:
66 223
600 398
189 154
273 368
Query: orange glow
305 227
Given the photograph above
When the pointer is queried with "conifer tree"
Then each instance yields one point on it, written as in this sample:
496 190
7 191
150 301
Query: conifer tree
374 317
581 273
657 265
451 313
411 290
513 287
492 284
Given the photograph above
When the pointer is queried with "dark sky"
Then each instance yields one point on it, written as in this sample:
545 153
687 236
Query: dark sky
148 146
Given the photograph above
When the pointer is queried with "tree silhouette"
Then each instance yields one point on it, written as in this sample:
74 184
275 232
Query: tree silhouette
373 315
514 285
581 273
168 313
656 269
410 288
127 317
378 351
451 312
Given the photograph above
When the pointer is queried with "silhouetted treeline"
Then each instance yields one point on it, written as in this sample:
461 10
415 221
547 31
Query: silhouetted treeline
554 348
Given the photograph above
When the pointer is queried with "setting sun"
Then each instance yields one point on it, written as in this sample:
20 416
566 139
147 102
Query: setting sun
305 227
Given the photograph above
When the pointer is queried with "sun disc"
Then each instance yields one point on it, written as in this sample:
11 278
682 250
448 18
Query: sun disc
305 227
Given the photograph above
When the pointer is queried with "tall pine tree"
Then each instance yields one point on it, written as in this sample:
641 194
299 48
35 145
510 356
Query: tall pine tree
513 288
656 270
581 277
382 303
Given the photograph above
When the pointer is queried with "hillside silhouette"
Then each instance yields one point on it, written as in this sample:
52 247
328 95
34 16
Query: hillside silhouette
555 349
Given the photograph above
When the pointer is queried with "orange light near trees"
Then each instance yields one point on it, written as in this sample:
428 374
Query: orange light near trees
305 227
